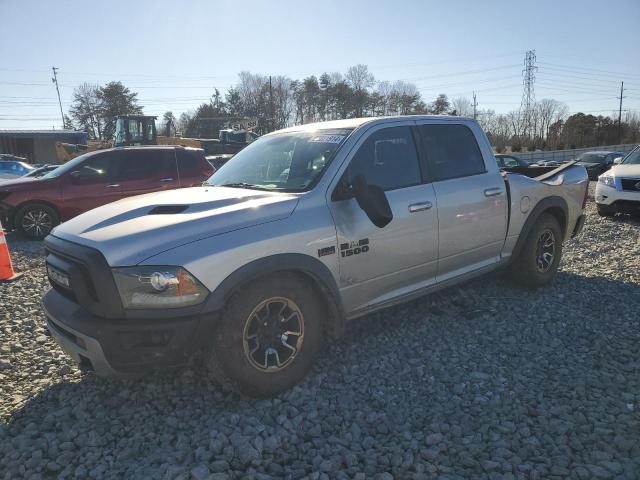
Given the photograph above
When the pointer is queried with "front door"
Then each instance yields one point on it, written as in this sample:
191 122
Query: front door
379 264
91 185
472 199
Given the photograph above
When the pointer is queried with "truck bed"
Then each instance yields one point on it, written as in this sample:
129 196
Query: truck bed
539 173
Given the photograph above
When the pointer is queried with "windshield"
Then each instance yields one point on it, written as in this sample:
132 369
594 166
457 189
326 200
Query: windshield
592 157
633 158
288 162
70 166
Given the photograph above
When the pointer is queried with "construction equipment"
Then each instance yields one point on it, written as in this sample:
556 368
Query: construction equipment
7 274
134 130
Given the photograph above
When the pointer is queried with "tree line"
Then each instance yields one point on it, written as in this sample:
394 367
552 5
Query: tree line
279 101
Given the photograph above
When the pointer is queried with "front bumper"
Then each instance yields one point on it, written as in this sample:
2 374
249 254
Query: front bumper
618 200
123 347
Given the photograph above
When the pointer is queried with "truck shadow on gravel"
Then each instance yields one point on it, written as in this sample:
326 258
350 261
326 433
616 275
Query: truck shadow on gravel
486 364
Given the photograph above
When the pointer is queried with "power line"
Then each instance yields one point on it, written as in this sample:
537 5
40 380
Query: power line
587 71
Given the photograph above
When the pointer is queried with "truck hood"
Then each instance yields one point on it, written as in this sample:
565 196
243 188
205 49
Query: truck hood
133 229
625 171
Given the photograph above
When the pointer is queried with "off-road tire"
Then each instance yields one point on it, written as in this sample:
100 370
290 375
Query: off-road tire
228 361
604 211
29 214
525 268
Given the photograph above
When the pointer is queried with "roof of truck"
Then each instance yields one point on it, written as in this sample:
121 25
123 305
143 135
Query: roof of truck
356 122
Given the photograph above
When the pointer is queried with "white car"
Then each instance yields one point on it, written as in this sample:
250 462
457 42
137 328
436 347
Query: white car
618 189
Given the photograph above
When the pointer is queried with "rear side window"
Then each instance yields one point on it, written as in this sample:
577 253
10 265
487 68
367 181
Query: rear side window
452 151
388 159
191 164
144 164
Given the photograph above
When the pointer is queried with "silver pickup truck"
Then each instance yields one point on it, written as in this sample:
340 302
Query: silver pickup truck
303 230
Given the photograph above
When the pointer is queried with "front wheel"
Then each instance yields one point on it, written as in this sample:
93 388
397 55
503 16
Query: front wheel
35 221
268 337
538 261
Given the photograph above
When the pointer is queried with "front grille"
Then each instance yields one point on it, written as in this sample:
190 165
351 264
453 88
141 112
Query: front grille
85 278
630 184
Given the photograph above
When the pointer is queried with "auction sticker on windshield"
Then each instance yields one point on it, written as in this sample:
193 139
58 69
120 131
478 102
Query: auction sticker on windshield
327 138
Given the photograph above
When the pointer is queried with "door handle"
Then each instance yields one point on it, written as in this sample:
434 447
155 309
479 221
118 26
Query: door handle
114 185
166 179
419 207
492 192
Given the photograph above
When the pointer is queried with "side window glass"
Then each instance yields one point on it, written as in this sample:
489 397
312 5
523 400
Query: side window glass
135 165
99 169
510 162
452 151
189 164
388 159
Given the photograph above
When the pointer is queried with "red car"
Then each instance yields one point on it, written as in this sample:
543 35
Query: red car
35 206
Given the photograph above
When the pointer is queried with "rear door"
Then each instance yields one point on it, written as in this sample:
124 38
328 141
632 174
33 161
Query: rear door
144 170
379 264
471 198
193 167
90 185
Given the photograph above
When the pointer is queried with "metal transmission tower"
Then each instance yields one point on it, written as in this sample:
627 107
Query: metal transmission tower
528 94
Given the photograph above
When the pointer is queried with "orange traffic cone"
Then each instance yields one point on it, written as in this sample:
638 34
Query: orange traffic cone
7 274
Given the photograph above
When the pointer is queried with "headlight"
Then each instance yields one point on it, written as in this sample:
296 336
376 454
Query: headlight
607 180
158 287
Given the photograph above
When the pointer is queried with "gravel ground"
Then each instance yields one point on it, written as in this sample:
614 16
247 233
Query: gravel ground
482 381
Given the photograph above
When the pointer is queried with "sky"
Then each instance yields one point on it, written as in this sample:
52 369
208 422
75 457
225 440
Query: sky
173 54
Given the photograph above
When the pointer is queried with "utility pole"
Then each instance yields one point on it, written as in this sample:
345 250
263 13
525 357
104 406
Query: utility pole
528 94
271 104
55 80
475 106
620 113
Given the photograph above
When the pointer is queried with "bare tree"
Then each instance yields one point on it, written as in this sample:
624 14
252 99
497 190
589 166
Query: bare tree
547 111
360 78
462 107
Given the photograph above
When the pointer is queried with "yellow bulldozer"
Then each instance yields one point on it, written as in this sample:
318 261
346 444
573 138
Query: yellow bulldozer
133 130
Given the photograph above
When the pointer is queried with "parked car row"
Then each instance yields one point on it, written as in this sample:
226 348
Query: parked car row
595 162
35 204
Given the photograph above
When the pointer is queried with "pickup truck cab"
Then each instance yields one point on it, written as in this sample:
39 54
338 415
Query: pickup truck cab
303 230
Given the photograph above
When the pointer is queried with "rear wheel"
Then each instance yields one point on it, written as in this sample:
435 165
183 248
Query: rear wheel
35 221
268 336
537 262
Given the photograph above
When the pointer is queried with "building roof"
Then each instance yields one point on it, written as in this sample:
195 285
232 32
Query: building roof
41 133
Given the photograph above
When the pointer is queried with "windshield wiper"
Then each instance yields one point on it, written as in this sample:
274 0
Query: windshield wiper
243 185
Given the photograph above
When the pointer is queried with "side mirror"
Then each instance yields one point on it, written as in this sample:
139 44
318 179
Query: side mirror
373 201
617 160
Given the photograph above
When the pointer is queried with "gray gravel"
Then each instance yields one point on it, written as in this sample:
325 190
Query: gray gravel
482 381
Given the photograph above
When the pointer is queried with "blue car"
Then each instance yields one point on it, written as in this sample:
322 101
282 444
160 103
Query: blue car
13 168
